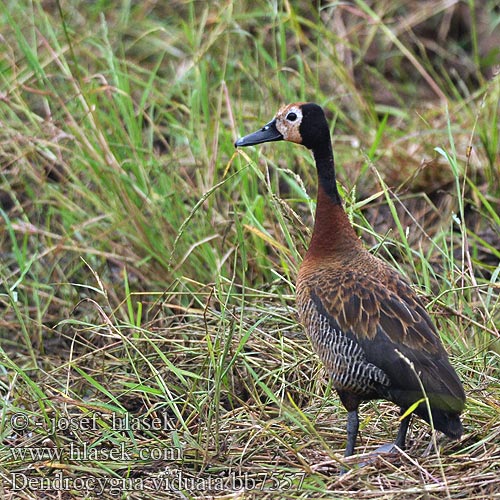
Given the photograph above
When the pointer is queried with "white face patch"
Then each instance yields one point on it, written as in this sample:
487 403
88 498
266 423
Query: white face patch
288 120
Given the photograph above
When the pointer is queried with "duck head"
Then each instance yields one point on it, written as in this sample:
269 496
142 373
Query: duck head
302 123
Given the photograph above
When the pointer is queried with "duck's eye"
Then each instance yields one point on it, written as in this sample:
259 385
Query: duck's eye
291 117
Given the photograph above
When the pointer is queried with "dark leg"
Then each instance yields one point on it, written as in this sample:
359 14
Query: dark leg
403 429
391 447
400 438
352 432
351 403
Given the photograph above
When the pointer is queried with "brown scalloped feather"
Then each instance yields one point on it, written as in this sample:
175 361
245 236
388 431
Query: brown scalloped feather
363 294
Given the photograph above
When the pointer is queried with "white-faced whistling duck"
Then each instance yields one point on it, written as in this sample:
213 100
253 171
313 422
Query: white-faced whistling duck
363 319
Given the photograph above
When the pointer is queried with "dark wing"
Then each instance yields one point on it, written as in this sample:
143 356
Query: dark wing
388 321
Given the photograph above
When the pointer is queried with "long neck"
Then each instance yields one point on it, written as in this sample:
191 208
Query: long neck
326 172
333 232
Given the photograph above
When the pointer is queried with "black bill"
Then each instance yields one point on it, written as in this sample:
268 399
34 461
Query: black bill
267 133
